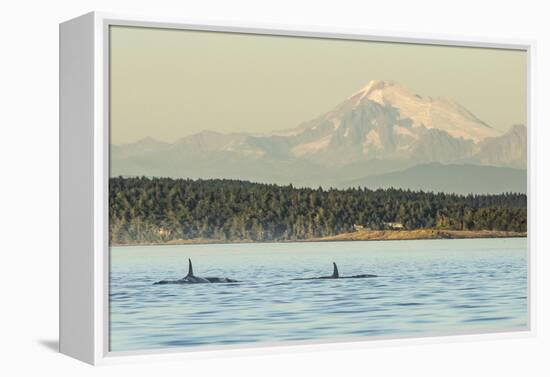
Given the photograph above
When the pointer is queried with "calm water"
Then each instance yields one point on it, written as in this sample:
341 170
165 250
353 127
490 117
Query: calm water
424 287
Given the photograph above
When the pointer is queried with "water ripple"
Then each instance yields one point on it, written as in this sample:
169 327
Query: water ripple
423 287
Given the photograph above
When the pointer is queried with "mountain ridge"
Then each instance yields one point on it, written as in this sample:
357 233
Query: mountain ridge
459 179
379 129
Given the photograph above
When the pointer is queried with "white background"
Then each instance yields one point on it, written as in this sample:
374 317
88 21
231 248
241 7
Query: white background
29 186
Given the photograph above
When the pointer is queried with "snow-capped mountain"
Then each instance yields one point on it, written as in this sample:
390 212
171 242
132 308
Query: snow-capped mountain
441 113
381 128
386 121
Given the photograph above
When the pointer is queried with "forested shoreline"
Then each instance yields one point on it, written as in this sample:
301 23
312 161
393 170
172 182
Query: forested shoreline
161 210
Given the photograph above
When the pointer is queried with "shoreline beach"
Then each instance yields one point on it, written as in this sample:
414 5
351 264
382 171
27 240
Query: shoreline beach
361 235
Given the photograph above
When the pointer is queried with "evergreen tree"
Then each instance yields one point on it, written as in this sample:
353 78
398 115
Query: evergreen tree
164 209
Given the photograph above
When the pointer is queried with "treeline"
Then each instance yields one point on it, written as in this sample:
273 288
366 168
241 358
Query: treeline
163 209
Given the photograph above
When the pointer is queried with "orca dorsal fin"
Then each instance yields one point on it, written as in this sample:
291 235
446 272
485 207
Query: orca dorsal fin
190 272
335 271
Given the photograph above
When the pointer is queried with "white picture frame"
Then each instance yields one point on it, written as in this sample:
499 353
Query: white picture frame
84 169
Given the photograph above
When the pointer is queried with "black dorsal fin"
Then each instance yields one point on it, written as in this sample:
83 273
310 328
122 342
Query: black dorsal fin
190 272
335 271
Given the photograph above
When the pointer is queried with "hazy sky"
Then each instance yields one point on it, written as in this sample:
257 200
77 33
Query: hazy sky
167 84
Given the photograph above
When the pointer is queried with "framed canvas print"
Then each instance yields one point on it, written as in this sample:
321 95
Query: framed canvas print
236 186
